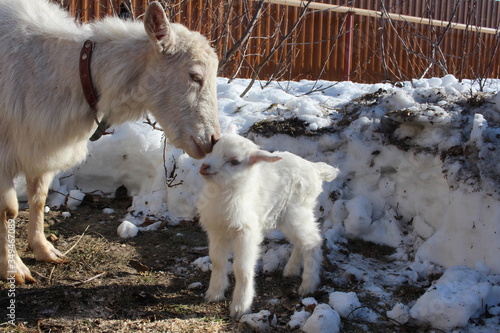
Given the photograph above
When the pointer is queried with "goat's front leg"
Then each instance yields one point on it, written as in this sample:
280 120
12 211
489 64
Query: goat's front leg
246 253
219 245
11 266
37 188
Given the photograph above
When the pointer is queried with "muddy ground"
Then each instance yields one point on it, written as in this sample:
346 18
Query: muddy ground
141 284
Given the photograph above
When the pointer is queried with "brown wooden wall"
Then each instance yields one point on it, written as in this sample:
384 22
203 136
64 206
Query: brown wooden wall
382 49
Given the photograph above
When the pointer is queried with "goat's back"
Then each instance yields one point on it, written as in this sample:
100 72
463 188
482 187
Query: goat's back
40 93
306 175
289 182
20 19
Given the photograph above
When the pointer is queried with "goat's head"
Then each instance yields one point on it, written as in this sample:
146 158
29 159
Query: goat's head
180 83
232 159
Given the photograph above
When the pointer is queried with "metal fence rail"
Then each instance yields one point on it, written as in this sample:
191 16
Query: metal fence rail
380 40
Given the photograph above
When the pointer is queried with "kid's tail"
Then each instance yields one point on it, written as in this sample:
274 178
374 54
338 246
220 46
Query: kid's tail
326 172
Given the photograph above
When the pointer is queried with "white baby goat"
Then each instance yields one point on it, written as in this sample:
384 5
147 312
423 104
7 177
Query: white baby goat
249 191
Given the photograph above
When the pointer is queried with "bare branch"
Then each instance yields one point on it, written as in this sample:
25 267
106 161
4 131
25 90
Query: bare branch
244 38
275 48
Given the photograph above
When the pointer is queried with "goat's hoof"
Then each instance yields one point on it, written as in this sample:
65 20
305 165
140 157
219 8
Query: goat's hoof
306 289
238 311
52 258
291 271
50 254
213 298
24 278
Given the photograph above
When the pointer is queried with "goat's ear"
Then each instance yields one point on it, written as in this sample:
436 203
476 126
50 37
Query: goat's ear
158 27
262 156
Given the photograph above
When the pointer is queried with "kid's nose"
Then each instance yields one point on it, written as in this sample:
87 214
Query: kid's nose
204 169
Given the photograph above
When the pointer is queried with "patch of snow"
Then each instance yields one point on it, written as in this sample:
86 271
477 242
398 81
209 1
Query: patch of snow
195 285
419 172
203 263
399 313
108 211
309 301
460 294
262 321
298 319
75 199
348 306
323 320
275 257
496 101
127 229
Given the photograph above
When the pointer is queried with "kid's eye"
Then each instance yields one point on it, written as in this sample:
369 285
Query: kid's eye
234 162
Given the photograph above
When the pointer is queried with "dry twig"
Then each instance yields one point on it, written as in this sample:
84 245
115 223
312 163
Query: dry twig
79 239
88 280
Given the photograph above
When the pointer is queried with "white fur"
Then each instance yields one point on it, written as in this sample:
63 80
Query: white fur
249 191
45 120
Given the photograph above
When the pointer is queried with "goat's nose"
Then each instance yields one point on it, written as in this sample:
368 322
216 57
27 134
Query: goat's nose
215 138
204 169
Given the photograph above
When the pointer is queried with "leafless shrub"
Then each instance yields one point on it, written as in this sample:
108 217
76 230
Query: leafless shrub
424 45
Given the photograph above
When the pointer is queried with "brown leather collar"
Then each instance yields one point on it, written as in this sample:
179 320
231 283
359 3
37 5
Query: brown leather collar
85 77
88 87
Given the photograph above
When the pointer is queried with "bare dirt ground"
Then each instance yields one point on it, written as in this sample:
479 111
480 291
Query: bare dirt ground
141 284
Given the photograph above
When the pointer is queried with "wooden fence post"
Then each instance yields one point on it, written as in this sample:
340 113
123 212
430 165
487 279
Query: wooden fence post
348 46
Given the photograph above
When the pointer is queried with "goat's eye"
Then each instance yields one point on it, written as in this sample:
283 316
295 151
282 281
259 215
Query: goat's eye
234 162
197 78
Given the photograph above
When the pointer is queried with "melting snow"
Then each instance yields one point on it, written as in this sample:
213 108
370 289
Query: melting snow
420 172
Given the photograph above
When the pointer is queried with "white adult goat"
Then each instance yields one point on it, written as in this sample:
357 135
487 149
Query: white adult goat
45 121
249 191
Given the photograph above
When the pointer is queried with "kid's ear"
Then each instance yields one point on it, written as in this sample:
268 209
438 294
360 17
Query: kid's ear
158 27
232 129
262 156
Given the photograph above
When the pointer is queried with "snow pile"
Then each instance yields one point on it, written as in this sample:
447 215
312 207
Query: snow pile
275 257
298 319
195 285
323 320
127 229
359 223
75 198
263 321
108 211
348 306
460 294
420 172
203 263
399 313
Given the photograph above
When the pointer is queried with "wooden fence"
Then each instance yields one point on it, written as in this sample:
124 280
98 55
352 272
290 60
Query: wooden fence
325 43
